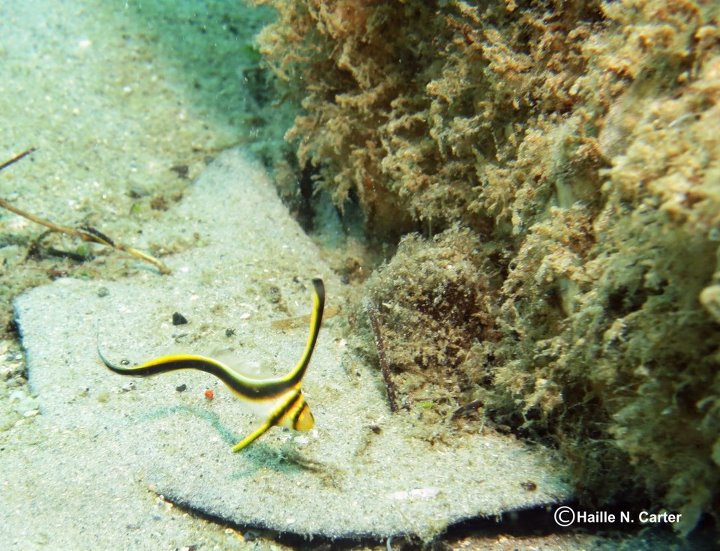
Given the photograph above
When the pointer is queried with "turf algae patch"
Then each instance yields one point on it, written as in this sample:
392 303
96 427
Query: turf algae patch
360 472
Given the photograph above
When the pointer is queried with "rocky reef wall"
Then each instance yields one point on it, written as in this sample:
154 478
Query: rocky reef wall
562 163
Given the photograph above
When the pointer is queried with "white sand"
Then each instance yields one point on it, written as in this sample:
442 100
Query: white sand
341 479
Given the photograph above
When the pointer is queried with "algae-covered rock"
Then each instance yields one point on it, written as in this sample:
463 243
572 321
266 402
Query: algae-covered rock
578 144
432 304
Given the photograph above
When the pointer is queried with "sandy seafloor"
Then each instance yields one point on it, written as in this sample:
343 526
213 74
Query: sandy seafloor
126 103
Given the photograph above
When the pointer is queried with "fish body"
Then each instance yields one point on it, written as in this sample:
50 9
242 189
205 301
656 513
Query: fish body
280 400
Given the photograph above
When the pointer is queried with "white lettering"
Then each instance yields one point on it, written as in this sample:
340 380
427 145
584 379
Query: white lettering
657 518
595 517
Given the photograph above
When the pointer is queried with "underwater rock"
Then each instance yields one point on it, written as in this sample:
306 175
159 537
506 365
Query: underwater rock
578 140
360 472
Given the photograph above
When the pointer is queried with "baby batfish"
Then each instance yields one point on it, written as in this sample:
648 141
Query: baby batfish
279 400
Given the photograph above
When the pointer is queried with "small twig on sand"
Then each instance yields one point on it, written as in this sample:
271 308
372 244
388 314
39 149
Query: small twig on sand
86 233
16 158
384 367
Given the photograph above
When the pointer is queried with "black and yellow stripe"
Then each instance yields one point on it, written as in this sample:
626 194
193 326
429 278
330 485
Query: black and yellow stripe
291 411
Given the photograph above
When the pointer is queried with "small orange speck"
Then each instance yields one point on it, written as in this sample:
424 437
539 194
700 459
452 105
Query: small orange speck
209 394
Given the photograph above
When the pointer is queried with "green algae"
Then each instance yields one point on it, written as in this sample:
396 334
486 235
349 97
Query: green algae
577 145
